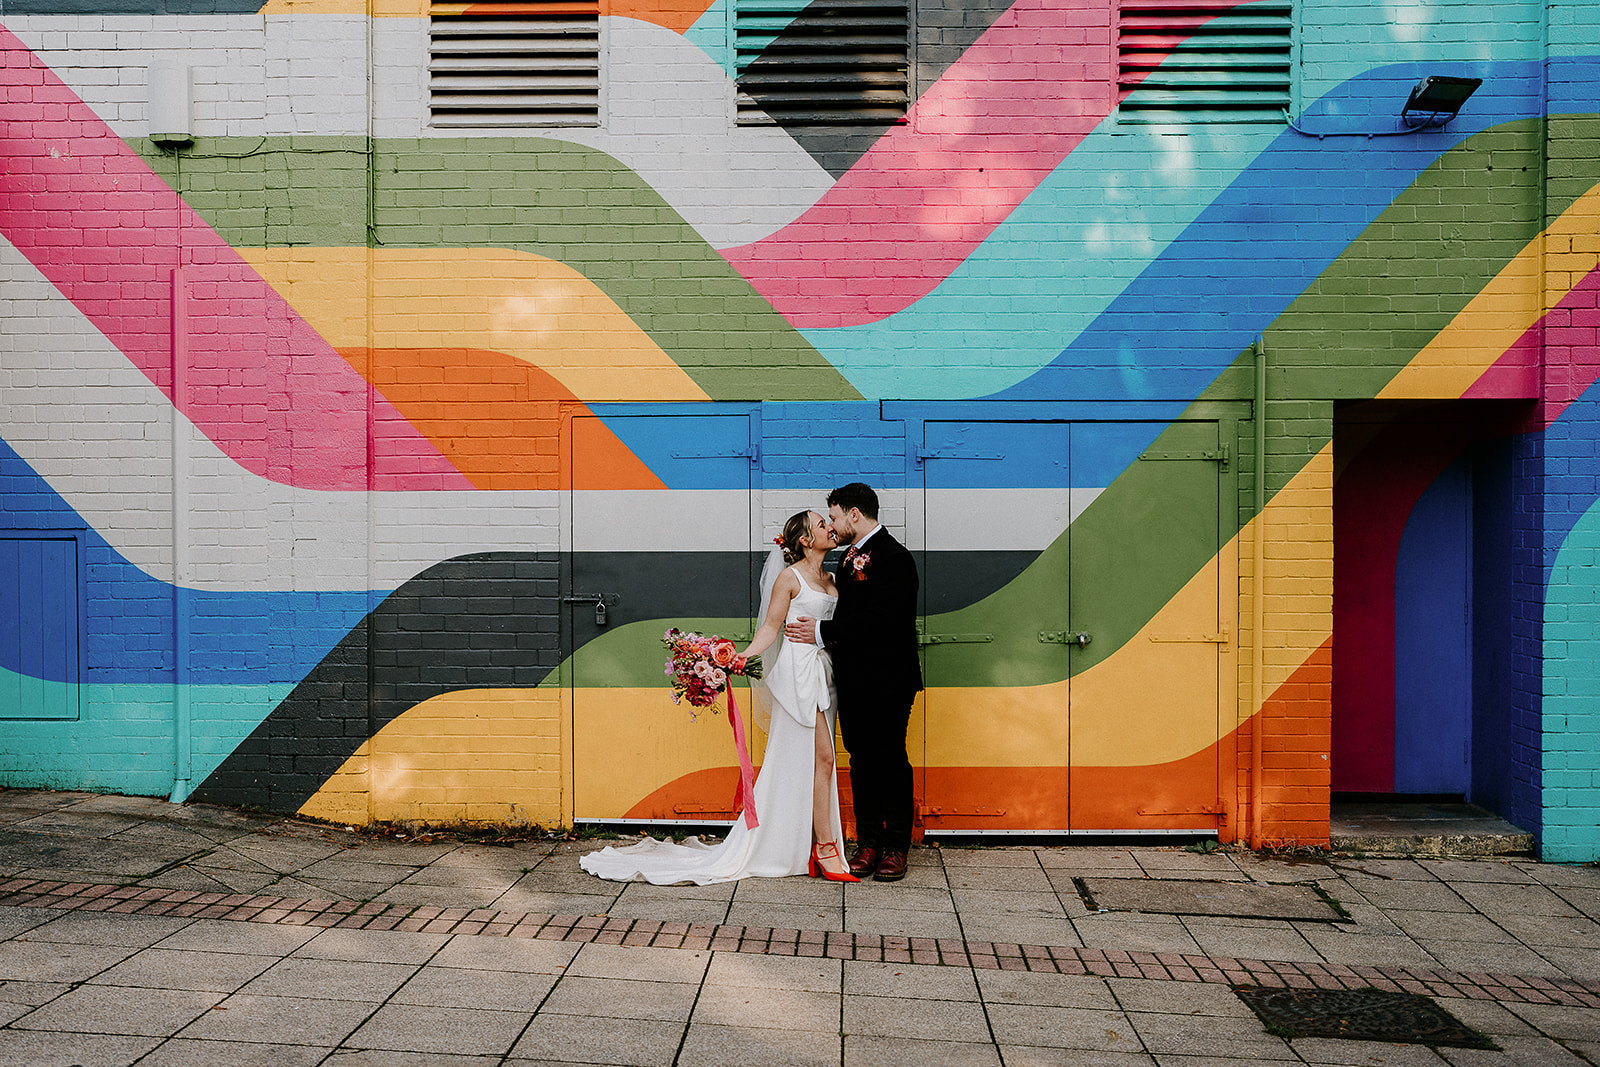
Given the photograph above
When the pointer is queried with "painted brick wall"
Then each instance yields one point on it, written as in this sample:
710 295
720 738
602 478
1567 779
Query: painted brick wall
1567 462
1570 766
634 212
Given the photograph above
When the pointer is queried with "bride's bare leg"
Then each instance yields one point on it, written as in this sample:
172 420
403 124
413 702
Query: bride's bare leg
822 794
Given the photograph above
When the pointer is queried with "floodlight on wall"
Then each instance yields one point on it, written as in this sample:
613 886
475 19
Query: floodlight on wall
1436 99
171 111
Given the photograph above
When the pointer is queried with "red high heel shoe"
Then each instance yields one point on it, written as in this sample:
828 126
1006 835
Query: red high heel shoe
816 868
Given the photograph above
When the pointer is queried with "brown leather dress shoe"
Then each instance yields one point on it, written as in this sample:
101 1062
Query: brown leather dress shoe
891 868
865 861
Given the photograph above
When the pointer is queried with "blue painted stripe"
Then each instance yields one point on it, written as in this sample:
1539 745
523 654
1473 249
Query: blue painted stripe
239 638
1570 482
806 445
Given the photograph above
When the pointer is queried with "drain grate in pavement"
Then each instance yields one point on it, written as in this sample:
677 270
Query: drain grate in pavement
1182 896
1359 1015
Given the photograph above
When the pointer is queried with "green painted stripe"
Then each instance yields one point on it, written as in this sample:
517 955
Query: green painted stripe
1363 320
551 198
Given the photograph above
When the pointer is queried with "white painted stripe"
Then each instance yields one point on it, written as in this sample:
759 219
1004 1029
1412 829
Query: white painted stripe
668 107
707 520
99 433
997 520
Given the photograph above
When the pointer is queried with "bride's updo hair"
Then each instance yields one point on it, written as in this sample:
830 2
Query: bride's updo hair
797 527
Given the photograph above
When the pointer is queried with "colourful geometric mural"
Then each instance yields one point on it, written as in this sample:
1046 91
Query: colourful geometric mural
312 431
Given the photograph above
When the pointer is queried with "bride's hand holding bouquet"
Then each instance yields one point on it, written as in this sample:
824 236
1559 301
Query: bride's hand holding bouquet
702 666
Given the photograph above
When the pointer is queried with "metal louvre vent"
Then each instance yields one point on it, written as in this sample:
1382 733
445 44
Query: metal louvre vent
509 63
1204 60
839 63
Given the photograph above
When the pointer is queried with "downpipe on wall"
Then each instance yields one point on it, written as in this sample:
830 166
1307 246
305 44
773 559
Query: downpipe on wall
1258 605
182 736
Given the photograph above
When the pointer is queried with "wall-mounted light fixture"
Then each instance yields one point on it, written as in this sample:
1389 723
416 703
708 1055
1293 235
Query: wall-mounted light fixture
1436 99
1432 103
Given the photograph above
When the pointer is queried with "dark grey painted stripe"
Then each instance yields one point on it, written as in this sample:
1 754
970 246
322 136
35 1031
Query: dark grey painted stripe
493 621
944 30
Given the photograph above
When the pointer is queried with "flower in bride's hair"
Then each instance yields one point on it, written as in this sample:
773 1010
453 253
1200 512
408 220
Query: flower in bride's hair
778 541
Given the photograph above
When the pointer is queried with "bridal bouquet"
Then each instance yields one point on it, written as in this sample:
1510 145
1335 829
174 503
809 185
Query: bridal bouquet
702 666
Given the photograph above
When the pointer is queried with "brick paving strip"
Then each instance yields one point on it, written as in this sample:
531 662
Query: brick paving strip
832 944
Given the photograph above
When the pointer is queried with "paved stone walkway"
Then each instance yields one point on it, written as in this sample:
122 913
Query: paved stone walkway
822 944
132 931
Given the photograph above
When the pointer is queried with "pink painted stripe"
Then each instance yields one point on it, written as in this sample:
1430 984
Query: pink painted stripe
1003 116
108 233
1569 337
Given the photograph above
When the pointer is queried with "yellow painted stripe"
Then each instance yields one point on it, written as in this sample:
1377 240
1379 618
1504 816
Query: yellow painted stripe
532 308
1504 310
473 756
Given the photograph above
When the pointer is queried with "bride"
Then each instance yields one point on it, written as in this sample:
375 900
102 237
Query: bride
797 791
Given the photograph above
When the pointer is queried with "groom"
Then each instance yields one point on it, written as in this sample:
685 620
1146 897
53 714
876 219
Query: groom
872 638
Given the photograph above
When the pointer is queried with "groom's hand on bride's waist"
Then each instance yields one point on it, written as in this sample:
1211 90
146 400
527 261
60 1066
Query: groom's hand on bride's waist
803 630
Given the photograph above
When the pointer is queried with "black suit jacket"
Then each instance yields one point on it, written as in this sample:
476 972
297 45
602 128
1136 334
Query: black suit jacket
872 636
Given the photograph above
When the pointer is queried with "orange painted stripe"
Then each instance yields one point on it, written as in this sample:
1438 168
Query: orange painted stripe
497 418
676 16
1296 717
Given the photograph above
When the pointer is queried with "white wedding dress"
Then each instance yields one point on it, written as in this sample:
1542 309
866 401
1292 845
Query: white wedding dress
800 680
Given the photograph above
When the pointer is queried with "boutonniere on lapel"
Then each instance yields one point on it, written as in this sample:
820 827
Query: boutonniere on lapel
858 565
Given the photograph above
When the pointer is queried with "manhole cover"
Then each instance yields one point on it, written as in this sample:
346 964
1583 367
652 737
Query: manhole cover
1184 896
1359 1015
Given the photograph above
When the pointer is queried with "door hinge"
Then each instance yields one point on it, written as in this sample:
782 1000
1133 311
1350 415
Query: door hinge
750 453
1199 639
955 453
954 639
1213 808
1214 455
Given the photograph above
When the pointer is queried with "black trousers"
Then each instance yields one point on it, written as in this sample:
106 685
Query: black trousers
880 770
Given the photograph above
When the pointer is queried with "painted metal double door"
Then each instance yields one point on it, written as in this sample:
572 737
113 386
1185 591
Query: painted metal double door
1073 639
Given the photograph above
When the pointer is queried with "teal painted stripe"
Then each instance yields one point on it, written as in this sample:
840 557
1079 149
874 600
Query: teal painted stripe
710 33
1574 27
1571 715
122 741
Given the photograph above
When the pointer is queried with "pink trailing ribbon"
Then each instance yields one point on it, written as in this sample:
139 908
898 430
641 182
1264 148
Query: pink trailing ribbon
745 795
